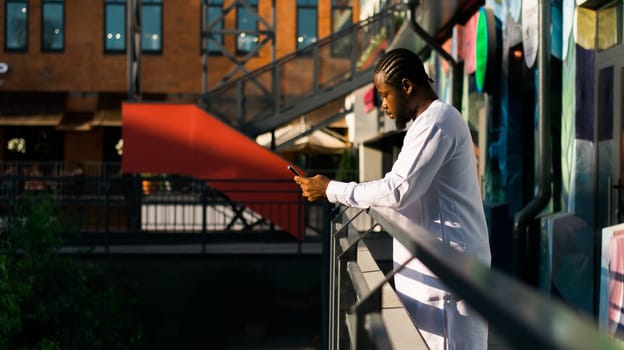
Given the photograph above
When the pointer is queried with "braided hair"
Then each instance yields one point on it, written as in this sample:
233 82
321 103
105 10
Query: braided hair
402 63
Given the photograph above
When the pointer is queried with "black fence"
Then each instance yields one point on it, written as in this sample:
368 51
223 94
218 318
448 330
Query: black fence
139 207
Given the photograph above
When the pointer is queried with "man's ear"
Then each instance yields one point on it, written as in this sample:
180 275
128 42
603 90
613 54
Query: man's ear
407 86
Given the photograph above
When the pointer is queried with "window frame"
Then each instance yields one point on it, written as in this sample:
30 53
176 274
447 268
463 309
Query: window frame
337 7
121 3
157 4
6 26
212 4
239 7
43 6
306 6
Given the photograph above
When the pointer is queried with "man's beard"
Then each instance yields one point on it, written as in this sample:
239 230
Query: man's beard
401 121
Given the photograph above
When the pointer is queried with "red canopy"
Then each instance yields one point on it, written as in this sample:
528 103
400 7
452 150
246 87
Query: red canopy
183 139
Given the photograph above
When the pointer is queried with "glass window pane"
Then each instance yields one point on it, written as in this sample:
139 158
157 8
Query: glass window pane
246 21
115 27
306 27
16 26
342 18
52 28
214 12
152 28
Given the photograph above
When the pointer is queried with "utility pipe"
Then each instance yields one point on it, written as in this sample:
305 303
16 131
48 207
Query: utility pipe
432 43
523 217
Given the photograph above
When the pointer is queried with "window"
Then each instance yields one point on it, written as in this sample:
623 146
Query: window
16 25
306 22
151 35
53 25
214 11
247 20
114 25
342 14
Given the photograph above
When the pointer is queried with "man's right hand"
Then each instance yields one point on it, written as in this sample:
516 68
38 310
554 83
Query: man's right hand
313 188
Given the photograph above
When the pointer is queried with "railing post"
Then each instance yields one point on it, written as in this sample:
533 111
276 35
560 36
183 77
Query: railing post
137 198
277 91
204 202
316 74
301 220
354 53
240 100
326 273
331 258
370 302
346 296
107 188
338 336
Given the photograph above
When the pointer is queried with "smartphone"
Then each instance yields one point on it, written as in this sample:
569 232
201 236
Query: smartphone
294 171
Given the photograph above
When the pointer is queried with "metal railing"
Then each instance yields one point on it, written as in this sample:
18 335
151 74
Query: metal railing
525 318
307 79
133 206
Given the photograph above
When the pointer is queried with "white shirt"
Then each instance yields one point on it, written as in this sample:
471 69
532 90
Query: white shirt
434 183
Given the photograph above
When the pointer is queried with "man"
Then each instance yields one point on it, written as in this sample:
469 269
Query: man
434 183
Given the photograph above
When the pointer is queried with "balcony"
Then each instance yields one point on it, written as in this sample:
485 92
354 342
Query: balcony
364 312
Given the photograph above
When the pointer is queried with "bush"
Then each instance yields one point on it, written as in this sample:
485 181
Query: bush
50 301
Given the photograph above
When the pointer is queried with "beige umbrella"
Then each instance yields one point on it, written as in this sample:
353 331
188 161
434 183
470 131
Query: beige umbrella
321 141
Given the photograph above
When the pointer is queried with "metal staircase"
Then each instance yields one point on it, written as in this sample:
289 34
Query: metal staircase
307 79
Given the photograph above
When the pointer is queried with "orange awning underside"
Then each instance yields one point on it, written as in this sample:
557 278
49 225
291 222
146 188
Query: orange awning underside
183 139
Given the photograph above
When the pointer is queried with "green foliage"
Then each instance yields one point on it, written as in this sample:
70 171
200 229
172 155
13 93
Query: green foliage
49 301
347 168
10 317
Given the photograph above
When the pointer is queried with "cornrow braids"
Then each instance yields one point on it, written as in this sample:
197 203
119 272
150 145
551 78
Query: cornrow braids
402 63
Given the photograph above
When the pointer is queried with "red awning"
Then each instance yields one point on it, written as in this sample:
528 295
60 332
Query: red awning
183 139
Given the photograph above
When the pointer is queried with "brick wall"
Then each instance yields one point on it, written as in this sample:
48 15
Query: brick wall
84 67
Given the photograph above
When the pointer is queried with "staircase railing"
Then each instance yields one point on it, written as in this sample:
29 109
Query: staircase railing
306 79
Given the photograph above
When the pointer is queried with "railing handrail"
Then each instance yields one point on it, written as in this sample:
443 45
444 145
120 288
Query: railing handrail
522 315
299 83
298 53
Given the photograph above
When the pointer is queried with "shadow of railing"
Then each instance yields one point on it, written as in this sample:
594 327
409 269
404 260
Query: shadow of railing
359 311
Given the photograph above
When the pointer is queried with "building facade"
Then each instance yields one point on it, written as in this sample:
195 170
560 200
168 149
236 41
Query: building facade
64 68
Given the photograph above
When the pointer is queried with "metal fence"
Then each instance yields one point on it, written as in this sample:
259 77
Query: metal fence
359 314
174 205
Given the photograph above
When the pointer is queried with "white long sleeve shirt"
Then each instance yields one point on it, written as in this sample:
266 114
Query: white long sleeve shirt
434 183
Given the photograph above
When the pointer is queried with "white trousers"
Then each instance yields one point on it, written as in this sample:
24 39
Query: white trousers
444 321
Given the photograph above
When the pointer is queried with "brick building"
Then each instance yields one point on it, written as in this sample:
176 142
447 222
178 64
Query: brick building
64 63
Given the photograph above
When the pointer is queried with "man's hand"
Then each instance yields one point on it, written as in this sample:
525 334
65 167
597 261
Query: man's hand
313 188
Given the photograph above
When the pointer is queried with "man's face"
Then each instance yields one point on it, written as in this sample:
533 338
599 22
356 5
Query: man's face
394 101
